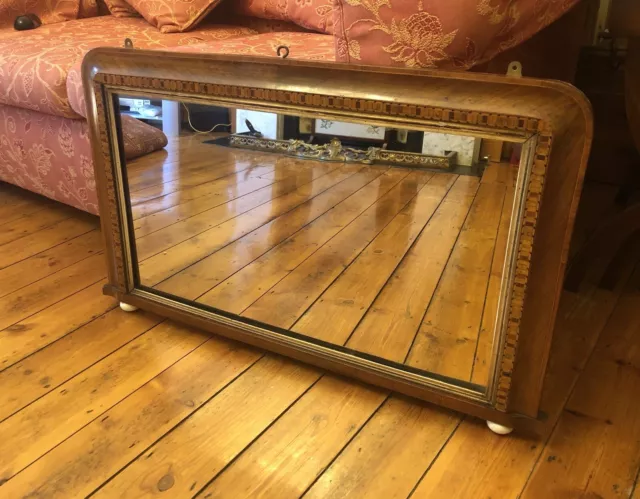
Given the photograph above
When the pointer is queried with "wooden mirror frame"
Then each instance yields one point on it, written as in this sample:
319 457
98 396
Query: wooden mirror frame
535 112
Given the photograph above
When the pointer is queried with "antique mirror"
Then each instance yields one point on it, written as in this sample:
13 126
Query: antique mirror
380 239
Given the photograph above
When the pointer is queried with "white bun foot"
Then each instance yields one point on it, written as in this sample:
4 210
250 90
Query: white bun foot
128 308
498 428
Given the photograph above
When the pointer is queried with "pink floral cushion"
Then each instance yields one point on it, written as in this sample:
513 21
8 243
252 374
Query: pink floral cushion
264 25
51 155
173 16
139 139
88 8
49 12
437 33
316 15
307 46
34 64
120 8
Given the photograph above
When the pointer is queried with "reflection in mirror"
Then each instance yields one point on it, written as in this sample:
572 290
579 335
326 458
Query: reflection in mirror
388 242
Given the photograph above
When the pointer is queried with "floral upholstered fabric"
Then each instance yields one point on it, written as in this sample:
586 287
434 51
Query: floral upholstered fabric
436 33
51 155
49 11
307 46
44 140
120 8
34 64
261 25
173 16
316 15
88 8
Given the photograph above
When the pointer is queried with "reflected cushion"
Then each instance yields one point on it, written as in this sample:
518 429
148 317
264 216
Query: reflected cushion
139 139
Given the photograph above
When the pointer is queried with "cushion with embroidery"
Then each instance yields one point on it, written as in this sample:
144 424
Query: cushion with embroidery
173 16
316 15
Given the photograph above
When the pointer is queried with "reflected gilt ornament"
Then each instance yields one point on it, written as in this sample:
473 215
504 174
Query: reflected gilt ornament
335 151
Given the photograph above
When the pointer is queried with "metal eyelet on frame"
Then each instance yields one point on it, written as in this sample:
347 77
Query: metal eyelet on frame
128 43
515 69
283 51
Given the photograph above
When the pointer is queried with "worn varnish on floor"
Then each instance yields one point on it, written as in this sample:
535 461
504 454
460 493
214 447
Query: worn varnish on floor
96 401
331 250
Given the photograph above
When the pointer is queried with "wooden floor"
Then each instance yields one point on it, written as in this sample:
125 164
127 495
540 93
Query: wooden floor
99 402
330 250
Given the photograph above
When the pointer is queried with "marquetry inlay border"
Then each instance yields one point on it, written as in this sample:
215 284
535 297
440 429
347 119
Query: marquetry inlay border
533 199
110 188
527 126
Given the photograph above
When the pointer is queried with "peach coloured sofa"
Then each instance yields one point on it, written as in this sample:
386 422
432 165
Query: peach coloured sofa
44 140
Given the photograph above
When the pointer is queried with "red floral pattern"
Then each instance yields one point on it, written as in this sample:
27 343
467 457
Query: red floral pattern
173 16
307 46
120 8
434 33
316 15
88 8
264 25
49 11
34 64
44 142
51 155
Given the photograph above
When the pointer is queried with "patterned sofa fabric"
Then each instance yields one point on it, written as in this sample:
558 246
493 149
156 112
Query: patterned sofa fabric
48 11
263 25
452 34
120 8
51 155
34 64
307 46
315 15
173 16
88 8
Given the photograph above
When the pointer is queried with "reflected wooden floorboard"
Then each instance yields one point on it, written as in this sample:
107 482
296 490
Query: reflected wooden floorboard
332 251
484 345
183 252
390 325
232 200
241 285
446 340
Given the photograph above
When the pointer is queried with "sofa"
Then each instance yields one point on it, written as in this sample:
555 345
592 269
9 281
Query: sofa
44 139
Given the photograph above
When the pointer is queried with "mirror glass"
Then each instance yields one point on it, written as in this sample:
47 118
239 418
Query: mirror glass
390 243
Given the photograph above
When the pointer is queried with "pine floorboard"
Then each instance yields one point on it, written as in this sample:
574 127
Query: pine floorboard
94 401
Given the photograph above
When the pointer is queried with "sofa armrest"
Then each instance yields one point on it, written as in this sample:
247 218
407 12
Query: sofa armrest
456 34
52 12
